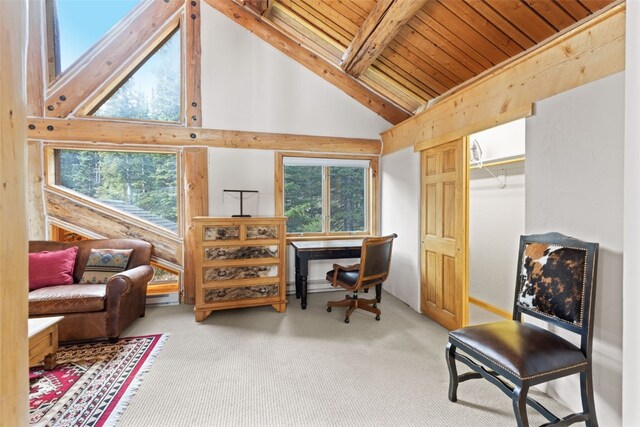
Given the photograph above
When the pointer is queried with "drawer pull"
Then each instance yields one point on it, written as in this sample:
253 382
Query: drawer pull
221 293
222 253
222 273
222 232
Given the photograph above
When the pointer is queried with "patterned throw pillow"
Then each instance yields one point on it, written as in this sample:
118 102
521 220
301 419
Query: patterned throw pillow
104 263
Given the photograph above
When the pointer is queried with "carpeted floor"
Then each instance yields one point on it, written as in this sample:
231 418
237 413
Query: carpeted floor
253 367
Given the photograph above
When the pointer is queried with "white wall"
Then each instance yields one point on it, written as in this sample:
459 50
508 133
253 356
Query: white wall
574 174
400 214
496 216
249 85
631 270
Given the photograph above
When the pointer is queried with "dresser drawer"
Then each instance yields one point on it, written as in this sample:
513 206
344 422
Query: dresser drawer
241 292
240 252
213 274
255 232
217 232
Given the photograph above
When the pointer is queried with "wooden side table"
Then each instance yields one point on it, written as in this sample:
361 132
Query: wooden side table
43 341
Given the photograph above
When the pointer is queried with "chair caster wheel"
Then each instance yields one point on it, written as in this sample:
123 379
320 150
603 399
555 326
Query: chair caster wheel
375 305
329 309
346 320
377 317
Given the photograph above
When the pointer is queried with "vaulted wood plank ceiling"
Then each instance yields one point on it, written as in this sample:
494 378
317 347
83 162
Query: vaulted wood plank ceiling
413 51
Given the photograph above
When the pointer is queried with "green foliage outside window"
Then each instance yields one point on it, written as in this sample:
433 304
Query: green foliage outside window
347 199
153 91
303 199
140 184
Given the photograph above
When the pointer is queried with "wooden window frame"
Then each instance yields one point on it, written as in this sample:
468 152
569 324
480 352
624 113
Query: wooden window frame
52 177
372 197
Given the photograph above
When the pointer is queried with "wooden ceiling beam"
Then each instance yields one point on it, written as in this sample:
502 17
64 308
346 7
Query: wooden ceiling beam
260 7
127 132
378 30
295 50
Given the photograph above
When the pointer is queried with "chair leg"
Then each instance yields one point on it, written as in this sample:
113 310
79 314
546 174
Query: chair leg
520 405
588 402
379 292
453 372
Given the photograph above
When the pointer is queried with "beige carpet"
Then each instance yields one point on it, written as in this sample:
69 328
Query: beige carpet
253 367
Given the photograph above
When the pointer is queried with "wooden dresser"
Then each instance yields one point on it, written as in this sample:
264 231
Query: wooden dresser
240 262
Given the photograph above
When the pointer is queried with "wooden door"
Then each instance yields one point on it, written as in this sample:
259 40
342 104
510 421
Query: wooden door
444 195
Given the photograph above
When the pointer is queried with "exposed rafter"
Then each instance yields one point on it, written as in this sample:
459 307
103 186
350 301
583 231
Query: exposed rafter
378 30
260 7
294 49
123 132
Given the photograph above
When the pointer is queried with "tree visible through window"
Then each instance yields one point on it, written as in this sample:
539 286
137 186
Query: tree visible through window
325 198
153 91
143 185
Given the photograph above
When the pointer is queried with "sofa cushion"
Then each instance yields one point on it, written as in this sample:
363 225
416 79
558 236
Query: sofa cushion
51 268
104 263
67 299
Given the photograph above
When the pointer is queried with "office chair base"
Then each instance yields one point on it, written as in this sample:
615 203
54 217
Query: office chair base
353 302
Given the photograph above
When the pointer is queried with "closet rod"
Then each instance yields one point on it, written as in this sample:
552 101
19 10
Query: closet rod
498 163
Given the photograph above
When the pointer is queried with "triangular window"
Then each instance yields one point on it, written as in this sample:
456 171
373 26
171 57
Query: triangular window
152 91
76 25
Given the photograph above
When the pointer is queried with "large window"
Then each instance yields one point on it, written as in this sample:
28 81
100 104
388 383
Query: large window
326 196
140 184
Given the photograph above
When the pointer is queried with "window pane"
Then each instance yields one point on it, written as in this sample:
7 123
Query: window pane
160 275
143 185
303 198
347 199
80 24
153 91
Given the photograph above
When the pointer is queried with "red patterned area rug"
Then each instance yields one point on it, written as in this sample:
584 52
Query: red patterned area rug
92 384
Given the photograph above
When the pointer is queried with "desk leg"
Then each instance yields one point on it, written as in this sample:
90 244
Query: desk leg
303 291
297 277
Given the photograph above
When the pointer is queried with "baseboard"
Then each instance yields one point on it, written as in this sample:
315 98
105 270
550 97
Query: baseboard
163 299
490 307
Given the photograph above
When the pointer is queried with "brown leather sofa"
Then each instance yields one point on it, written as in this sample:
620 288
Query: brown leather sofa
95 311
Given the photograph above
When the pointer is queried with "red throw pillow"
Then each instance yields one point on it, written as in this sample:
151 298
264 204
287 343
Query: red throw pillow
51 268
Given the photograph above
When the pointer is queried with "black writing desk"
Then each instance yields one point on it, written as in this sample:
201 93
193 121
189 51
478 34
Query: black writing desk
327 249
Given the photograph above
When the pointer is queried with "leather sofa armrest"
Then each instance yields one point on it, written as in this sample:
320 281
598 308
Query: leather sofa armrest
125 281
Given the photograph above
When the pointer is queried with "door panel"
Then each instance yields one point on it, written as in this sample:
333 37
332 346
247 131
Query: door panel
444 233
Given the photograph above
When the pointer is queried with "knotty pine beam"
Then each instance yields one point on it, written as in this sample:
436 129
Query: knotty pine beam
590 51
378 30
295 50
116 50
121 132
14 347
192 53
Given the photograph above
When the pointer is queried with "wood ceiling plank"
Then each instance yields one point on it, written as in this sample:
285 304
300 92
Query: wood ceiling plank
417 66
396 71
385 21
383 85
574 8
553 13
485 27
442 32
107 58
428 39
499 21
323 68
326 22
127 132
336 13
523 17
576 57
314 19
596 5
316 41
361 8
437 11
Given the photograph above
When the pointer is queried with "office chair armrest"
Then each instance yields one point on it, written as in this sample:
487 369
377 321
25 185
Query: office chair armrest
346 267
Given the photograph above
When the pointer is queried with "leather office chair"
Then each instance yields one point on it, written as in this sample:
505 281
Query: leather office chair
556 283
373 269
